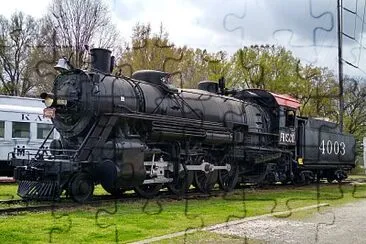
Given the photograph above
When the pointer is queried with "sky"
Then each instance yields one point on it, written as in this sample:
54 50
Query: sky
306 27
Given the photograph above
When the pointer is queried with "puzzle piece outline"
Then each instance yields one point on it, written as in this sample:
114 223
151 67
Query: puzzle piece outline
187 207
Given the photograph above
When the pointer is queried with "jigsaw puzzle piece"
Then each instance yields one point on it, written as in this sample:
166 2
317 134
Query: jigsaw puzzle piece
194 216
288 29
233 22
62 224
328 218
354 44
357 187
314 38
276 226
152 207
249 200
6 196
106 219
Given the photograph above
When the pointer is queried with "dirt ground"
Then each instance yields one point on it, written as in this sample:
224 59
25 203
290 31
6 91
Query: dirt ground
346 224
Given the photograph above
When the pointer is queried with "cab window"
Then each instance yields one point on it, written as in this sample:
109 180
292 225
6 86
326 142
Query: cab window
290 118
21 130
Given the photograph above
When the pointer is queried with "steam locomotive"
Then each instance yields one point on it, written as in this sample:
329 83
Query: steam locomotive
142 133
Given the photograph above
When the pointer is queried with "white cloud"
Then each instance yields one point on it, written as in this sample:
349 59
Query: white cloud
35 8
178 18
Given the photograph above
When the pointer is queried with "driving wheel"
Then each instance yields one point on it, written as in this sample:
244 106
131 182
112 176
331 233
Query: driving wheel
181 183
229 179
81 187
148 190
205 182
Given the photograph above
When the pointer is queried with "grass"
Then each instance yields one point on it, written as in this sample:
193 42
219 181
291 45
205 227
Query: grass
143 219
209 237
8 191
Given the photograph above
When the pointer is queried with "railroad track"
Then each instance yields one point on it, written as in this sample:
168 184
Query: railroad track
34 206
12 205
11 202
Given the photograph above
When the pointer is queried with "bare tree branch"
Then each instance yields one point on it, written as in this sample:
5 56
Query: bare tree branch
81 22
17 35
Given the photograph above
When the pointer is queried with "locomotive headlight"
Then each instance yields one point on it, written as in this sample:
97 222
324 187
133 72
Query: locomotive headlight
48 102
47 99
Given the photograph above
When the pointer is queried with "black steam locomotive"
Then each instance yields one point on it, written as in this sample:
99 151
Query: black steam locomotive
142 133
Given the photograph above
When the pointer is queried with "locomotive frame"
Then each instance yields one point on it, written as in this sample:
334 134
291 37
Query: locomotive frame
141 133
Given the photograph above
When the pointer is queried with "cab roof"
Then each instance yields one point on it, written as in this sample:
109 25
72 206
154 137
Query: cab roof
268 99
286 101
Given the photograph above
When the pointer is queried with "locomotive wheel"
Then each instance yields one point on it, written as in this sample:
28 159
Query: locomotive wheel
229 179
205 182
116 192
181 185
148 190
299 179
330 179
81 187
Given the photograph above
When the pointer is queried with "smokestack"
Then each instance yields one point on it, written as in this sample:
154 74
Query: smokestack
101 60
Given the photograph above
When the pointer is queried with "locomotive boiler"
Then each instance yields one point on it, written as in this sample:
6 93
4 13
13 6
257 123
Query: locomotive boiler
142 133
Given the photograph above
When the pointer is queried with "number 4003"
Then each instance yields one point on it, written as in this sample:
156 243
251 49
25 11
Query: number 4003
332 147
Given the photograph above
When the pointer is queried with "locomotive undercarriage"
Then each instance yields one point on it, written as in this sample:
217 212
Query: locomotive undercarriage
46 179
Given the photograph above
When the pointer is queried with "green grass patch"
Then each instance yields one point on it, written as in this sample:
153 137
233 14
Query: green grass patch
8 191
141 219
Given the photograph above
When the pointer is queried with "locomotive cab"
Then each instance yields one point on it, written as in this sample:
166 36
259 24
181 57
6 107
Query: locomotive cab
287 119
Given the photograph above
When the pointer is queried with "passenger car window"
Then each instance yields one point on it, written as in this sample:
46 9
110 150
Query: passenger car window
42 130
21 130
2 125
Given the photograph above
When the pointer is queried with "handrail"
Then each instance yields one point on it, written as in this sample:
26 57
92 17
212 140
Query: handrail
44 142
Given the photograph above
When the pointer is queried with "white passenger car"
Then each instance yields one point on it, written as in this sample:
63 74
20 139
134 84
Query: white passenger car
21 126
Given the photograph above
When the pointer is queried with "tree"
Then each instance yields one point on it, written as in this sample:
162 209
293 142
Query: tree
155 51
317 90
198 65
17 36
277 70
354 109
77 23
149 50
64 31
152 51
265 67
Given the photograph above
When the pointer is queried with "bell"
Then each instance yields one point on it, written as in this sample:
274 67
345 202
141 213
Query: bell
62 65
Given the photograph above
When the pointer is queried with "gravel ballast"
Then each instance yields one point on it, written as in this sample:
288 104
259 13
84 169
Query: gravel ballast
346 224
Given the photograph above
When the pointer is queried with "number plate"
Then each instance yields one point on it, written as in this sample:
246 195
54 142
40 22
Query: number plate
49 113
